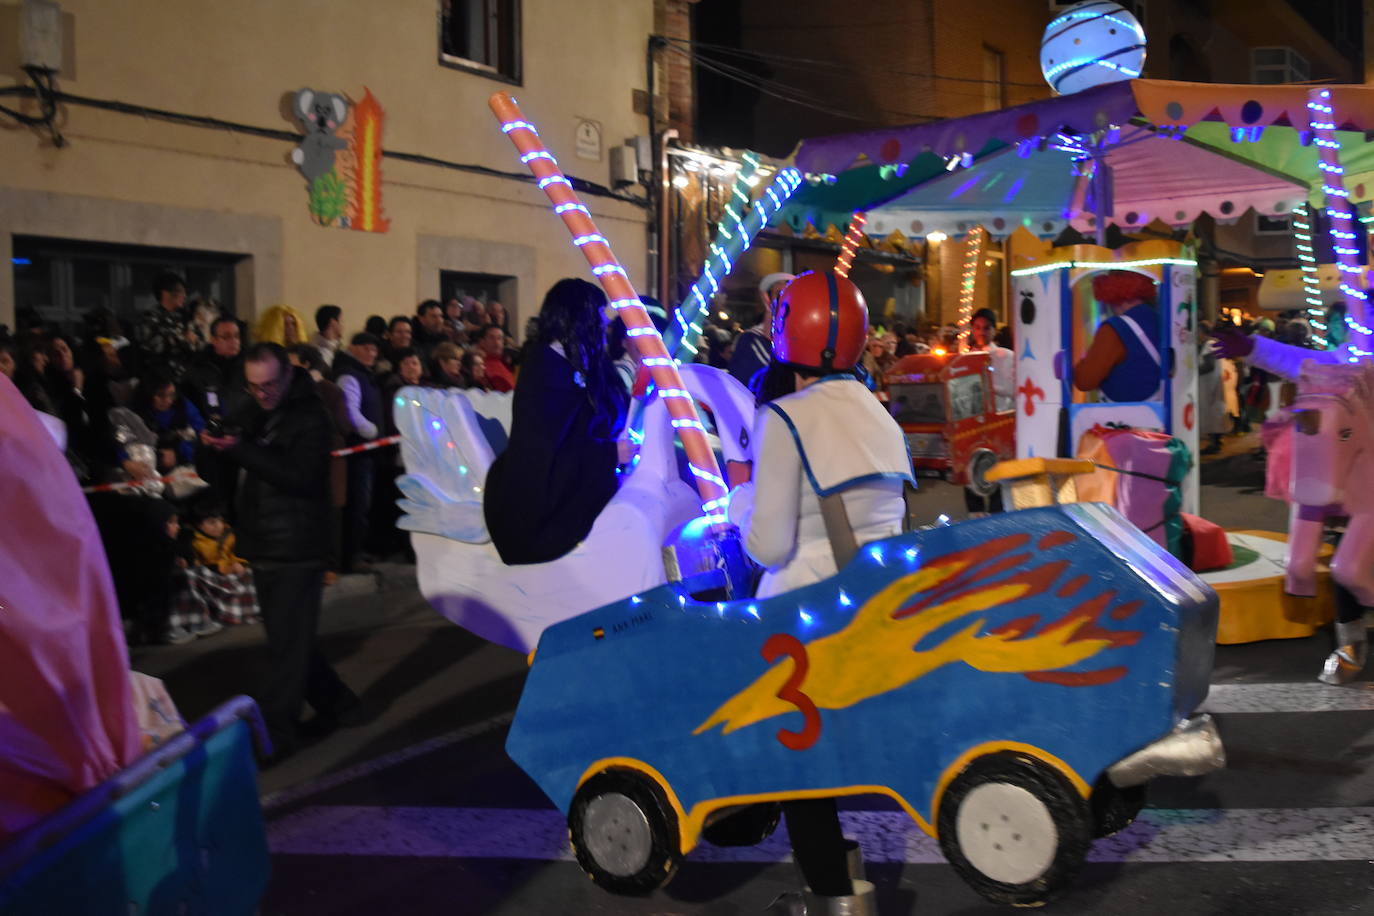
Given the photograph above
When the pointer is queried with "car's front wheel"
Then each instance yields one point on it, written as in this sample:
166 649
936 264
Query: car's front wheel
1014 828
624 832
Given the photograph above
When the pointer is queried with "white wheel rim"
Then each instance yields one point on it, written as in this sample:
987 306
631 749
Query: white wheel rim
1006 833
617 834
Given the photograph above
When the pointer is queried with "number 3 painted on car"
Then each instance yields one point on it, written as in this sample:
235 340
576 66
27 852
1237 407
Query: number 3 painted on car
785 644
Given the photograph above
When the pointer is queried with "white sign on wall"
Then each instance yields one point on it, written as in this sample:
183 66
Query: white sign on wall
588 137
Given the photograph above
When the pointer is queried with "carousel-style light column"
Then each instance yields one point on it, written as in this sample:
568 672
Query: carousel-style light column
1344 225
968 284
643 336
1307 258
850 245
731 222
721 260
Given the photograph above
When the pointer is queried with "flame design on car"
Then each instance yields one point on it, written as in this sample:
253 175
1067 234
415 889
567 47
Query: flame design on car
895 637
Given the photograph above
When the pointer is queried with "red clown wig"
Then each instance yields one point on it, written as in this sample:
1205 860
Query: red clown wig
1117 286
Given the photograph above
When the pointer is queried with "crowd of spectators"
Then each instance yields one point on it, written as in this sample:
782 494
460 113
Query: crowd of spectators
141 403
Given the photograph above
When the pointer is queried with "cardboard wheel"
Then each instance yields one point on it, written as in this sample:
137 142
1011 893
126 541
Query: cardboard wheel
1014 828
979 464
624 833
1114 809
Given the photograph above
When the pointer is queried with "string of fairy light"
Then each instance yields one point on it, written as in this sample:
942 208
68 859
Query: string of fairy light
735 233
852 236
1341 213
1307 258
968 283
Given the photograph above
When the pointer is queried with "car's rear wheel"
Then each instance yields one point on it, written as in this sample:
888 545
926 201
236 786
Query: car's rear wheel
624 832
1014 828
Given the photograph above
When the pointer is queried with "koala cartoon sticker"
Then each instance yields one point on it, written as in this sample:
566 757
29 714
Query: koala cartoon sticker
340 157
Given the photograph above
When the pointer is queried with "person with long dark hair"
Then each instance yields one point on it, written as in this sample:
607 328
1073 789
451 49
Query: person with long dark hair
546 489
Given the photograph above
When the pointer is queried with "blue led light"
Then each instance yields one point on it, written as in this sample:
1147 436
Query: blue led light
590 239
609 269
753 610
845 600
806 618
553 179
435 424
564 208
876 552
538 154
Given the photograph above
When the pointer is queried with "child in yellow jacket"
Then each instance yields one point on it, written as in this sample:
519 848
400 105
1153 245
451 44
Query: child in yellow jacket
213 542
221 578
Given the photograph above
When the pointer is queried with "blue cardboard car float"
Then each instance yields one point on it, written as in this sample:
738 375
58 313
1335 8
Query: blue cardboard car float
1012 682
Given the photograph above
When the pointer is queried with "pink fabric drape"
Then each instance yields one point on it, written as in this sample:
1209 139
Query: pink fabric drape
66 718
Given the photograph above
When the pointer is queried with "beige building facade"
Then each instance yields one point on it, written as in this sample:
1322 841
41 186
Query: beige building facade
141 179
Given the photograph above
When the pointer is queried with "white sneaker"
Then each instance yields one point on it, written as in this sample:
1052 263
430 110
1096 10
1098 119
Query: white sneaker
207 627
175 636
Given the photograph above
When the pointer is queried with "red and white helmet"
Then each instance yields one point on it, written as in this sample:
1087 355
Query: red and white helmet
820 321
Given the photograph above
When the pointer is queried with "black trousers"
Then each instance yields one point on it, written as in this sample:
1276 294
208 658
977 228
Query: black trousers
289 596
357 508
818 845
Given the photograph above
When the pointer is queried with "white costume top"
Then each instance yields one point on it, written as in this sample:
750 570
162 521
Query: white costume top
1003 364
831 437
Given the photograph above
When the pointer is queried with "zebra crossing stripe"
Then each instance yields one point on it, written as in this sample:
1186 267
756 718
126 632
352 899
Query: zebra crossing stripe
1158 835
1314 697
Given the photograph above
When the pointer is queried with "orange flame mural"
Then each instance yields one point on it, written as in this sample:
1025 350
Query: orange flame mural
365 199
881 649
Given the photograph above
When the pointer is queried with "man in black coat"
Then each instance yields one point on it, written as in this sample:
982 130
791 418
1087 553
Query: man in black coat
214 384
284 511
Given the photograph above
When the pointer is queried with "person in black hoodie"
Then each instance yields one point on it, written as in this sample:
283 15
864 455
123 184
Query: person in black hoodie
353 373
546 489
282 519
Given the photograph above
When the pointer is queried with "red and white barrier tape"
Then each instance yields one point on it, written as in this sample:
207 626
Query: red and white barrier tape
132 484
366 446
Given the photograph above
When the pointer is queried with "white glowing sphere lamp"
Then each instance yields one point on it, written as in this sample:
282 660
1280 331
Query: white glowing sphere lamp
1091 44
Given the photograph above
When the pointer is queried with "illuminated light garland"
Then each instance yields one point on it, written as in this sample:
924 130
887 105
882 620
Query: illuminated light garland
734 236
1130 26
968 286
700 458
1079 62
1122 265
850 245
1302 234
1322 122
